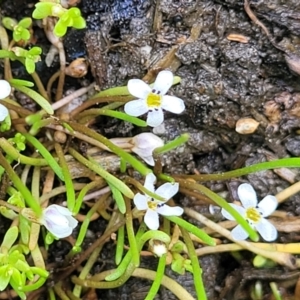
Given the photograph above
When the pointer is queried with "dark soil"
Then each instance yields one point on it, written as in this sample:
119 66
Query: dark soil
223 80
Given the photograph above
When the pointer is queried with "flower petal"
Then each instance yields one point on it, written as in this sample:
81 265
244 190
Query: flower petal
167 210
136 107
155 117
3 112
167 190
140 201
151 219
247 195
60 209
241 210
72 222
5 89
163 82
239 234
138 88
173 104
267 205
150 180
267 230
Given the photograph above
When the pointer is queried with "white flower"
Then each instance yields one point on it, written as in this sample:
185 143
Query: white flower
58 220
153 100
5 90
253 213
144 144
154 207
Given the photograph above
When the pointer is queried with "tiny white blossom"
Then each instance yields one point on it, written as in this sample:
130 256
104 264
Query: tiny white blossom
153 100
144 144
155 207
58 220
5 90
254 213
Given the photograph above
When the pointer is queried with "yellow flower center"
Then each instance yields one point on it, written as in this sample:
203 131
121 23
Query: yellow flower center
153 100
152 205
253 215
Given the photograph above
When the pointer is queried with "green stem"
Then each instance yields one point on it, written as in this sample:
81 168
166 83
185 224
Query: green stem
130 234
197 272
280 163
141 168
158 278
172 144
91 113
120 245
15 154
67 177
100 171
31 202
192 229
46 154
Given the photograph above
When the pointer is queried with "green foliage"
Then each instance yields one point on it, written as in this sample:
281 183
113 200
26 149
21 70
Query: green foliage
20 30
14 269
18 141
66 17
5 124
30 57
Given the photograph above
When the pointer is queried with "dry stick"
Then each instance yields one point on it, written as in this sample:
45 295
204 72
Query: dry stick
288 192
69 98
279 257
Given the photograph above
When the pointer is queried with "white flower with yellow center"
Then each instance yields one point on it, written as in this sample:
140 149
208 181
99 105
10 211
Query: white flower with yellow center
253 213
153 100
155 207
5 90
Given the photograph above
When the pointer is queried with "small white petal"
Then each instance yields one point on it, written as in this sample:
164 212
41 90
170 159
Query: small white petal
151 219
167 210
163 82
72 222
239 234
5 89
140 201
267 230
136 107
138 88
3 112
268 205
167 190
144 144
155 117
173 104
150 180
241 210
62 210
247 195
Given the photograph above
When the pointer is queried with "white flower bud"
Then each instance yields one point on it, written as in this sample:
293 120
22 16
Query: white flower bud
58 220
144 144
5 89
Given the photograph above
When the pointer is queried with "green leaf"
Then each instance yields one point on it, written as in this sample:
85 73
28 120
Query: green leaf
35 51
4 277
21 82
9 23
42 10
25 35
117 195
60 29
79 23
29 65
25 23
17 36
7 54
36 97
17 278
10 238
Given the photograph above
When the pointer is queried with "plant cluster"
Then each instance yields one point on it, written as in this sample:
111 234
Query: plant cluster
41 161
